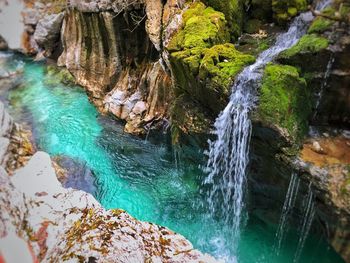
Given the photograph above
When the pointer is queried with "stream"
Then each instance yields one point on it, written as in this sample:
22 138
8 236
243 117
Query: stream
136 175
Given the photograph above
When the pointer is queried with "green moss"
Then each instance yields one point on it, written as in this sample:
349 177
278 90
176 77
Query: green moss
207 74
222 63
202 27
284 100
320 24
233 10
56 75
284 10
345 11
308 43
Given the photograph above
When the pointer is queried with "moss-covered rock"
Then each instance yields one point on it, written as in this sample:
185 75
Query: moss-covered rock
233 10
308 43
188 117
207 74
285 10
56 75
320 25
203 64
202 27
284 100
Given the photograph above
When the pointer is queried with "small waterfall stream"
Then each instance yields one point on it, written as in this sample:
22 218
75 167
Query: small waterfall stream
288 205
308 216
228 155
323 85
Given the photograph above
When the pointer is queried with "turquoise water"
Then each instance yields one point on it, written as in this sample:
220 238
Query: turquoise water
137 175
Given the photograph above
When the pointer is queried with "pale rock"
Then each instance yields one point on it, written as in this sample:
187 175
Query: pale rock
47 30
139 108
316 147
30 16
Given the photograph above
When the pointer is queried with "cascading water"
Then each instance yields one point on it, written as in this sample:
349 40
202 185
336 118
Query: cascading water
309 212
323 85
228 156
287 208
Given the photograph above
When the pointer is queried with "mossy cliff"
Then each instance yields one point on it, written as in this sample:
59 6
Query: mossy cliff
203 62
284 100
233 11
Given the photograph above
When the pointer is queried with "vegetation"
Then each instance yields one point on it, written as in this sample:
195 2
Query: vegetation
233 10
202 27
308 43
320 25
284 10
285 100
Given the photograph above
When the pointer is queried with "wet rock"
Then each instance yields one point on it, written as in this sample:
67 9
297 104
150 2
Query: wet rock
75 174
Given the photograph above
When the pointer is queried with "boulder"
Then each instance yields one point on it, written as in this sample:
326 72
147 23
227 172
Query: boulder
47 31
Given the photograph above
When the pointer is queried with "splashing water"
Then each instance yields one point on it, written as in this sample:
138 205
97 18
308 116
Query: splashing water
229 154
288 205
309 212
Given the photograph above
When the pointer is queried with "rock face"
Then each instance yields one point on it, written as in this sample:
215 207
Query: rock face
325 162
47 31
118 74
57 222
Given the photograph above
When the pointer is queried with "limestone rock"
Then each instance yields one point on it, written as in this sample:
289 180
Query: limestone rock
47 31
59 221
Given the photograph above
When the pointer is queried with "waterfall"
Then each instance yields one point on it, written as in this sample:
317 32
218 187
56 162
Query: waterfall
287 208
228 155
309 212
323 85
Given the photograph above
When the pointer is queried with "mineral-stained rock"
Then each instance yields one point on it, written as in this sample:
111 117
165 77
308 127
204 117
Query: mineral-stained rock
57 223
329 173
